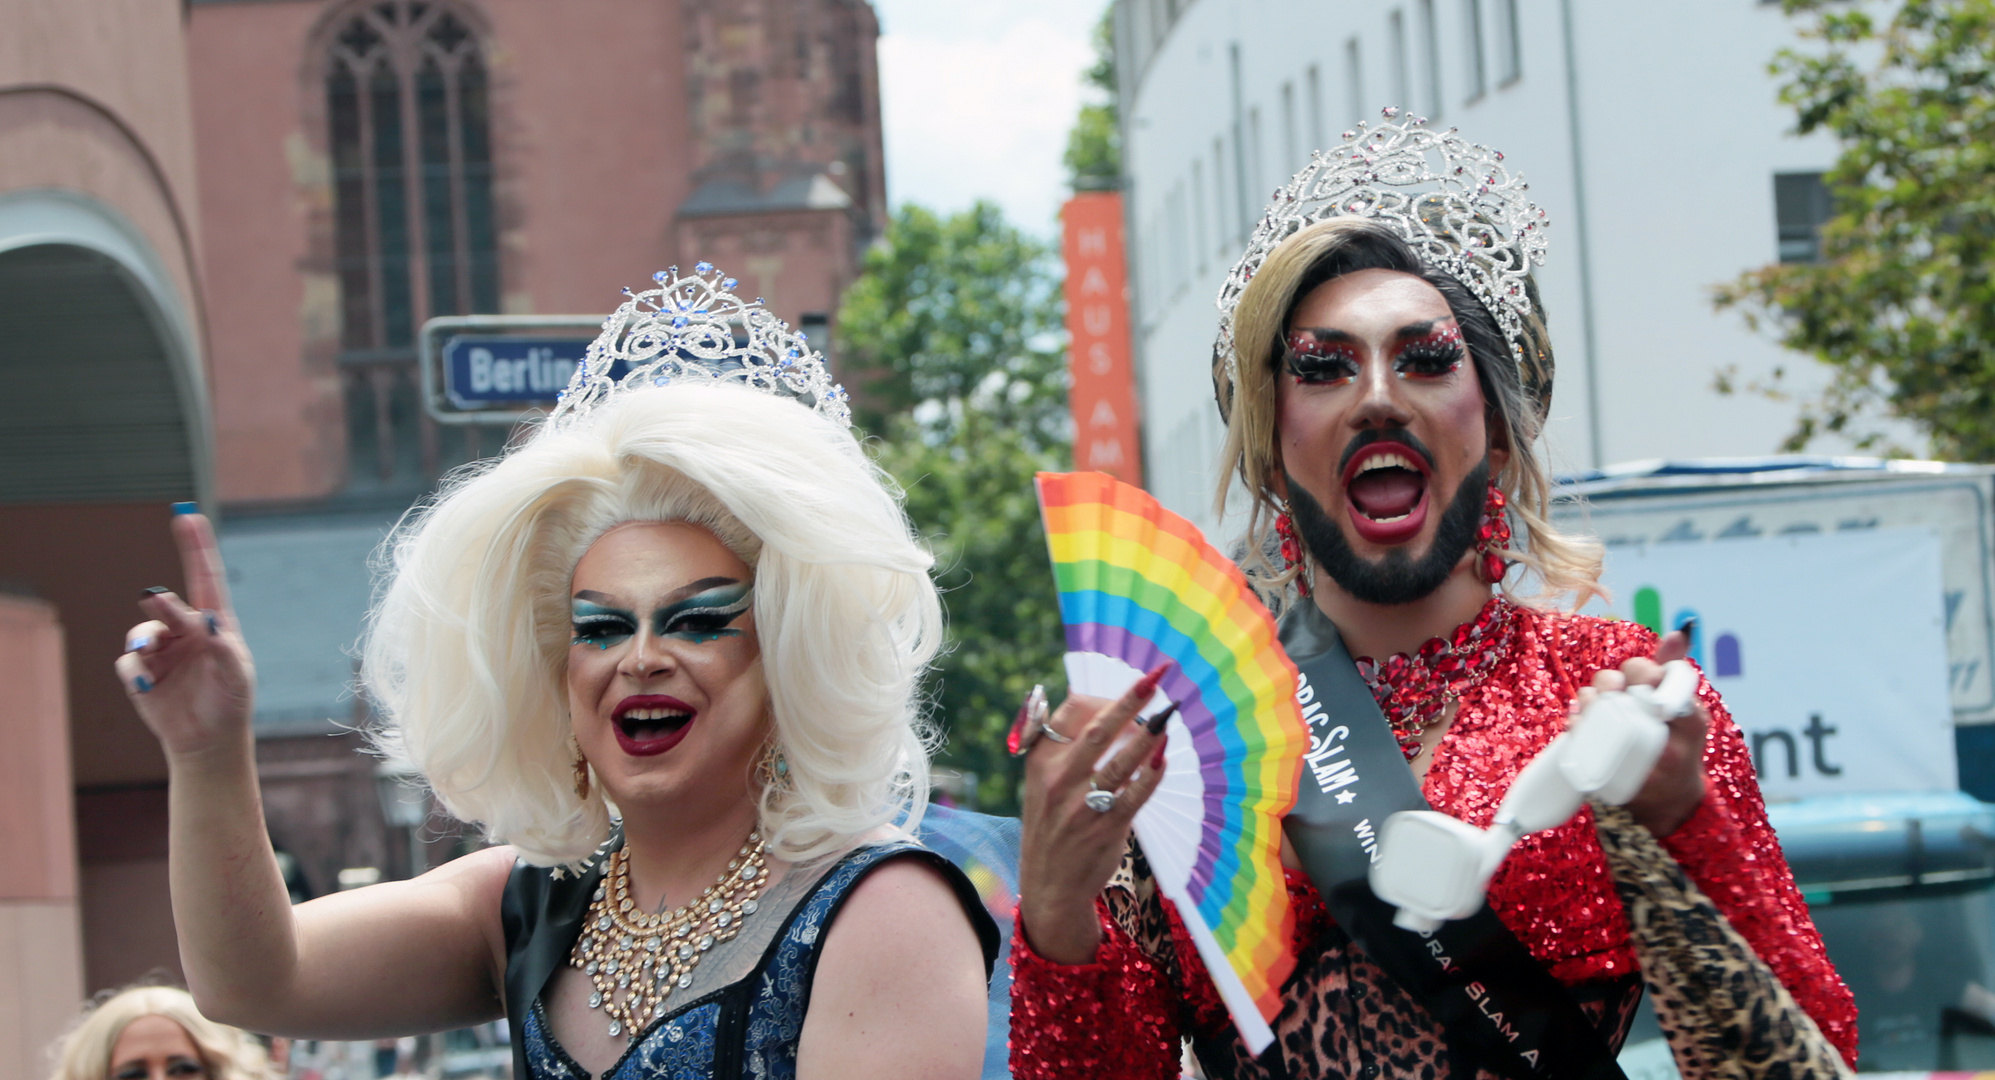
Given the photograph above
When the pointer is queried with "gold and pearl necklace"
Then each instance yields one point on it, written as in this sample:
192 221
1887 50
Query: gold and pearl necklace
636 960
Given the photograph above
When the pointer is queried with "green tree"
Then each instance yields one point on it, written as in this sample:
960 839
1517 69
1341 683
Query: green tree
1094 145
1901 303
972 497
952 315
952 340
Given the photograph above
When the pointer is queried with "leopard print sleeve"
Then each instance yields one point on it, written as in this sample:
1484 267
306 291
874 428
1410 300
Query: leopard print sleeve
1728 848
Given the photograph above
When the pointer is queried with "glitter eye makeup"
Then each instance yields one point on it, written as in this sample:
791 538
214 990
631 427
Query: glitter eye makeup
704 616
1313 359
1434 354
600 625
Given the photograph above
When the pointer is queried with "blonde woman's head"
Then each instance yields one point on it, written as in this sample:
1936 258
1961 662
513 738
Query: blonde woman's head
155 1033
469 641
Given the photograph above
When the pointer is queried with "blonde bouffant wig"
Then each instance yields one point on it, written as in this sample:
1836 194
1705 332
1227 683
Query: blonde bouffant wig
1568 567
466 650
84 1052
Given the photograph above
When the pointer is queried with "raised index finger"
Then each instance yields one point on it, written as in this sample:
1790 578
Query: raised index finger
201 561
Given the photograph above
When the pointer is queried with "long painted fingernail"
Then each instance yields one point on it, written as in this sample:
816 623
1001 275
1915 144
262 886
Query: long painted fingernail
1687 627
137 643
180 508
1157 758
157 590
214 627
142 684
1014 742
1157 722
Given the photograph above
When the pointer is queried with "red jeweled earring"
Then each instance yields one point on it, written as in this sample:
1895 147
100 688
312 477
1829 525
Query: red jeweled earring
1493 535
1292 550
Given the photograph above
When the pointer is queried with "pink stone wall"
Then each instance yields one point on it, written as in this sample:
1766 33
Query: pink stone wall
94 103
588 130
590 134
94 100
605 113
279 423
41 971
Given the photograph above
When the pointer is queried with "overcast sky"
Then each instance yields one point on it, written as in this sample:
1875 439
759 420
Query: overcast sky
977 97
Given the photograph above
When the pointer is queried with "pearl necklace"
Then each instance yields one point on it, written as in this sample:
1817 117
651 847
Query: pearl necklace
635 960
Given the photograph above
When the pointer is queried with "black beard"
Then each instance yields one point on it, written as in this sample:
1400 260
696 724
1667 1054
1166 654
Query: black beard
1397 578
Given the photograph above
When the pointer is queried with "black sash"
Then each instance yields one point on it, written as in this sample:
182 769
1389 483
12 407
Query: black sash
1501 1010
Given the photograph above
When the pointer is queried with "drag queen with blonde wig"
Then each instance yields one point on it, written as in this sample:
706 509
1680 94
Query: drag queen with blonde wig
665 653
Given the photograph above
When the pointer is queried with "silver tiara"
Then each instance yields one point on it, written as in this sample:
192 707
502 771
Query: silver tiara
1452 200
693 329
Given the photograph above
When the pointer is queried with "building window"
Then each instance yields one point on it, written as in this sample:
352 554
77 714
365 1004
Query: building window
1316 139
1402 75
1801 205
1221 216
1509 44
1257 174
1199 242
407 97
1354 81
1478 76
1291 152
1430 59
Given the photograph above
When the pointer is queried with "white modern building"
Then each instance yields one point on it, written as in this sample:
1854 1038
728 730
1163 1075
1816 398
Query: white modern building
1650 132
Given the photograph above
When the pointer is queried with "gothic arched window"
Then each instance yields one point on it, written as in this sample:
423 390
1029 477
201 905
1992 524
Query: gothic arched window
410 136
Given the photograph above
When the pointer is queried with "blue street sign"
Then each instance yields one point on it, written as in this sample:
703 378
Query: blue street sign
484 370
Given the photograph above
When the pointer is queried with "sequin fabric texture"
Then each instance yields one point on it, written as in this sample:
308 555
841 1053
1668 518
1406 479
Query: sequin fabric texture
682 1045
1124 1015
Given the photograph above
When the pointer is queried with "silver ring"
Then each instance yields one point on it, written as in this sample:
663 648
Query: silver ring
1032 723
1099 801
1041 713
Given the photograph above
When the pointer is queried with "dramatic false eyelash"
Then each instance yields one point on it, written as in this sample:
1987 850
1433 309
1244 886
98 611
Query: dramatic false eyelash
1442 348
714 616
1308 356
1443 357
602 631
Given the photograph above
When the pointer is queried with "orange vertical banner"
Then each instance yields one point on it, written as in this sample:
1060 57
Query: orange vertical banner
1106 433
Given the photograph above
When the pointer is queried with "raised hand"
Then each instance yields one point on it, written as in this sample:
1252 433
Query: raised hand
1676 785
1070 848
187 669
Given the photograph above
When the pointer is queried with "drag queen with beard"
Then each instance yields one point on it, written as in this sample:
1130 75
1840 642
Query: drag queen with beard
666 652
1384 372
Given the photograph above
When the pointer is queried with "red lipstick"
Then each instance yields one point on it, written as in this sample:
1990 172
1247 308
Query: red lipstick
650 724
1400 527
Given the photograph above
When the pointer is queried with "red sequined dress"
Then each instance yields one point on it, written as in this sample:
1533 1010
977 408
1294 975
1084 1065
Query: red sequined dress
1124 1015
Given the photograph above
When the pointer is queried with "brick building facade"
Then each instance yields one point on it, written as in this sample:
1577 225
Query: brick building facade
222 223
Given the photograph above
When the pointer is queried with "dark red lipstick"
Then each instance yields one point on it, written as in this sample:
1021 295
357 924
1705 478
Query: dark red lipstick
649 724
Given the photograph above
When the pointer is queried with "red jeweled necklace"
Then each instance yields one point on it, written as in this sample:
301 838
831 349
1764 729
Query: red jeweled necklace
1413 689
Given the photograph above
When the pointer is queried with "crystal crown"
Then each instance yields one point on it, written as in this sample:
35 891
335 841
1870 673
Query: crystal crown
1452 200
694 329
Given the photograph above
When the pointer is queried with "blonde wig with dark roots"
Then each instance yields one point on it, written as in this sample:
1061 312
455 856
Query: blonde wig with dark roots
84 1051
1567 567
467 644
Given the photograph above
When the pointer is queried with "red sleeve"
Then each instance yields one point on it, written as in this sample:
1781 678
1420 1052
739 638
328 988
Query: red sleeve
1114 1019
1728 848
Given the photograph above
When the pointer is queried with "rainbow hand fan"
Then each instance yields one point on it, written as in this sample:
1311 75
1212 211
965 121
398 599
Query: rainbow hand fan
1139 585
